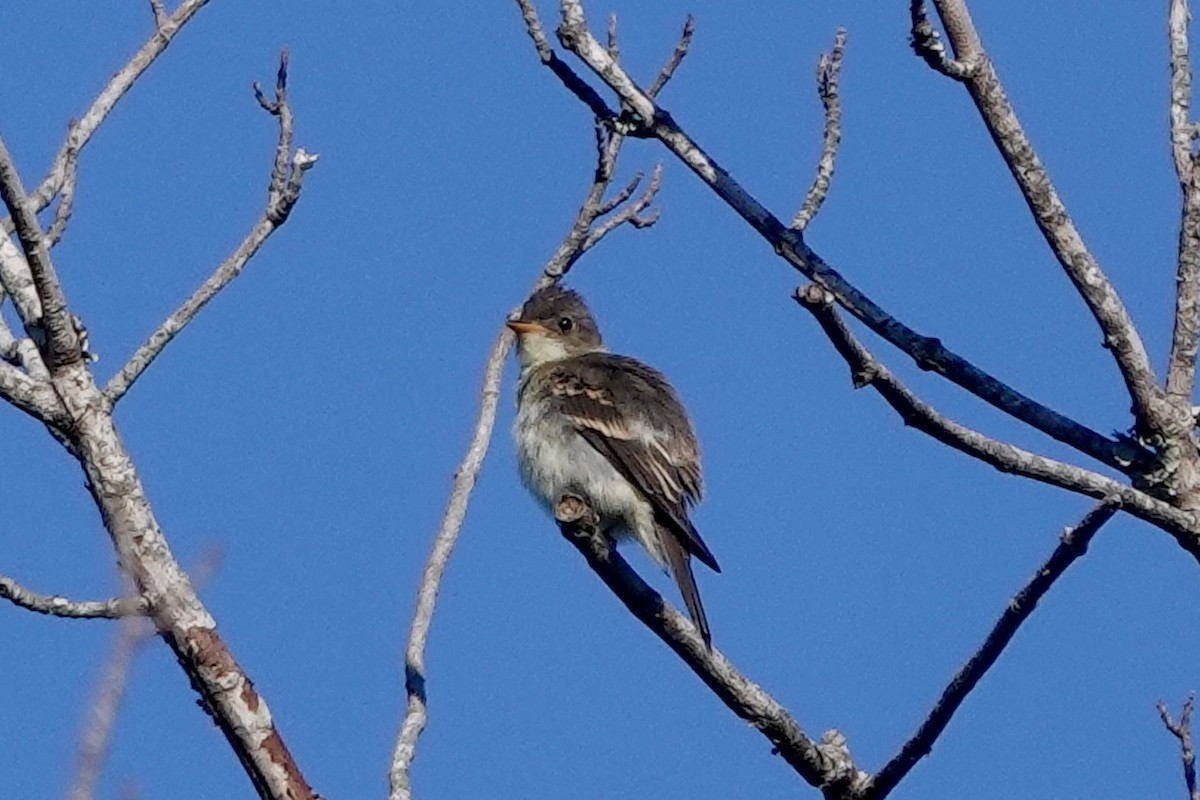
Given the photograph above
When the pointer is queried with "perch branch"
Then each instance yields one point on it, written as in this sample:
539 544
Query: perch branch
1074 543
928 352
826 765
1182 731
287 175
829 69
582 236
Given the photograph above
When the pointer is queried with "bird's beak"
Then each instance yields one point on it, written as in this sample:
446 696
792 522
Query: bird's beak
526 327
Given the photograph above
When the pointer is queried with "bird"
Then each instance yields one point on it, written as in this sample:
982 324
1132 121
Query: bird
612 431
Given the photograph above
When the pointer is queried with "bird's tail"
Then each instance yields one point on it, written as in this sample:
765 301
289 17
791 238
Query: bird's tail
679 561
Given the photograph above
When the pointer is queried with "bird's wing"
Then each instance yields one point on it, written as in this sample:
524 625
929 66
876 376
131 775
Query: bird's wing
629 413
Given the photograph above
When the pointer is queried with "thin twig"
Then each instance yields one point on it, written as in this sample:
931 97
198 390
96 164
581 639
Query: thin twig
928 352
829 69
681 50
99 110
58 606
1074 543
132 634
66 198
61 346
579 239
1120 335
287 174
866 370
160 14
572 81
1182 731
824 765
1181 368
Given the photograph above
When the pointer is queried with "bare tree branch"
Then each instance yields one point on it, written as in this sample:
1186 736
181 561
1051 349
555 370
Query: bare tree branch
681 50
81 133
928 352
287 174
829 69
867 371
582 236
61 344
826 765
160 14
927 43
58 606
1050 214
1182 731
132 634
66 197
1181 369
573 82
1074 543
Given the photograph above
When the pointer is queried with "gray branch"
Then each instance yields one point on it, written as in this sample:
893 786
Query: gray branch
287 174
58 606
826 765
1050 214
589 227
866 370
1072 545
829 69
928 352
1182 730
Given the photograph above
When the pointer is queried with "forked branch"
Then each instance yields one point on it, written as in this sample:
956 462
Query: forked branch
1182 730
1055 224
647 119
866 370
287 175
595 219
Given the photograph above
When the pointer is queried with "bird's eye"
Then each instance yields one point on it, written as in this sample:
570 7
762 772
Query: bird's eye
565 324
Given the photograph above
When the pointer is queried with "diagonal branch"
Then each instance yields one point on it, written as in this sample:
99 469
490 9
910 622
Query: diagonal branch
1050 214
1181 367
829 69
58 606
132 634
287 174
81 133
928 352
826 765
61 346
1074 543
587 230
866 370
1182 731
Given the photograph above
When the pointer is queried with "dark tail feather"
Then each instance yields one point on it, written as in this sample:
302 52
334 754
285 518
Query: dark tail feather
680 563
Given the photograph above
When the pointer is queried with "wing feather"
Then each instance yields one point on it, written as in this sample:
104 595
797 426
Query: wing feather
629 413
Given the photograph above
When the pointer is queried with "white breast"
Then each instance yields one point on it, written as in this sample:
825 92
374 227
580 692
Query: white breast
555 460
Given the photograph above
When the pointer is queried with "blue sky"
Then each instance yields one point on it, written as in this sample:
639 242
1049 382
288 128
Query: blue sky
310 421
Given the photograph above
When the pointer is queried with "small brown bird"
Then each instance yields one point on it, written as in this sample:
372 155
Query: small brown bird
611 430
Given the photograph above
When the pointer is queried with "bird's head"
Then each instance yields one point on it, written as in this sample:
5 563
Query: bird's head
554 324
